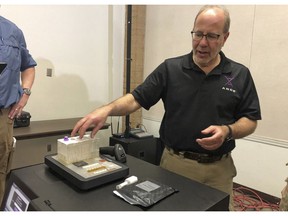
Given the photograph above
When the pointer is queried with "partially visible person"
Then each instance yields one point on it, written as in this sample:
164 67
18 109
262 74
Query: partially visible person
209 101
283 205
15 89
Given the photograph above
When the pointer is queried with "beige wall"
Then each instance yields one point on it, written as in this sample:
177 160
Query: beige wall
83 45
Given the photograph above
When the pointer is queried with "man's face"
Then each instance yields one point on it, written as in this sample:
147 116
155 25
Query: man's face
205 50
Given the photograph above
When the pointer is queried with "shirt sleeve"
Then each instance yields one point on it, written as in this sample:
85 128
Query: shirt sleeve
26 59
152 89
249 105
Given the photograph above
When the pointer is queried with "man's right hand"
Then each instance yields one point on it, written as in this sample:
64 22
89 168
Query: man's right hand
120 107
96 119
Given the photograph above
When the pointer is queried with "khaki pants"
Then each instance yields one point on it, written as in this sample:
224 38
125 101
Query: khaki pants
6 148
218 175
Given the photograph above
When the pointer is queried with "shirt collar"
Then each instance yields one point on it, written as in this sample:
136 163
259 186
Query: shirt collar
224 66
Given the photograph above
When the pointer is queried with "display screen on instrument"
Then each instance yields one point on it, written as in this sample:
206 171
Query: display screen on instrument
17 200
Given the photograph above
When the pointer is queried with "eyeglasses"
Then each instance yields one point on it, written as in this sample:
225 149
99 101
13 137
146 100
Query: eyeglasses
211 37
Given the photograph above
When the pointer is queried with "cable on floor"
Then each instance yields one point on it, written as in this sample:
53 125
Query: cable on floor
246 199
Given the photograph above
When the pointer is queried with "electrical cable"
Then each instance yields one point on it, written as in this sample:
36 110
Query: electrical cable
142 125
118 124
246 199
111 125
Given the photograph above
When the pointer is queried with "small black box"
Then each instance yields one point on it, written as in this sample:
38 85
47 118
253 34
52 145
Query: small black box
147 149
23 120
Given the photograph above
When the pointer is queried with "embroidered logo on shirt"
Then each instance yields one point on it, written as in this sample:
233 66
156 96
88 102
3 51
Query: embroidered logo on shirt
228 86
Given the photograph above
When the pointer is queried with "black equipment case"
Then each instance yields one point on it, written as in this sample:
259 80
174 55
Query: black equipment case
23 120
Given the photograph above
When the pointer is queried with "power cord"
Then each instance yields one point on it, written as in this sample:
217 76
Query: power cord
246 199
141 125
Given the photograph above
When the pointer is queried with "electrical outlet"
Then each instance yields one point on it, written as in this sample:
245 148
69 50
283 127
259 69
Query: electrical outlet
49 72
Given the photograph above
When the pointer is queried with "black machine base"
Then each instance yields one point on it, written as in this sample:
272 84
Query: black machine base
85 183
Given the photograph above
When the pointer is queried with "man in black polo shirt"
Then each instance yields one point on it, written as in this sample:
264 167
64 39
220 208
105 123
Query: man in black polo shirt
209 101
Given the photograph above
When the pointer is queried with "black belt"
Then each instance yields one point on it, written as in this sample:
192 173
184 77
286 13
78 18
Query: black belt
201 158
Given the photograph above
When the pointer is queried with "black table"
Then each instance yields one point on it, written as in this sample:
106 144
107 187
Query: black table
46 128
49 191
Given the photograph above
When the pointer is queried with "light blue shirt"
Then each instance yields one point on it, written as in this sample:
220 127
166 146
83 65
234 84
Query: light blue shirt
13 51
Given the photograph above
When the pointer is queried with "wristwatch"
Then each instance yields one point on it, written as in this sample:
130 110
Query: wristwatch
230 135
27 91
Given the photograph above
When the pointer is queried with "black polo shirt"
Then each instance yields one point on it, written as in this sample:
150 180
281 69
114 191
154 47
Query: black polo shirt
193 100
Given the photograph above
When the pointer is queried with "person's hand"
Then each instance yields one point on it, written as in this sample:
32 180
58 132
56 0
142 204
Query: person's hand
17 108
218 135
96 119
